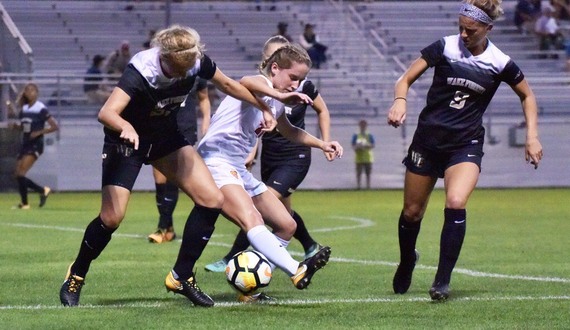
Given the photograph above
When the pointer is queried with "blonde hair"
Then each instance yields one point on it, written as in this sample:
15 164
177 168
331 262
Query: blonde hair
490 7
181 43
277 39
285 57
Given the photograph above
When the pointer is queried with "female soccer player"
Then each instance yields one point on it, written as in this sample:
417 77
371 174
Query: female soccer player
33 117
285 164
140 128
448 141
231 137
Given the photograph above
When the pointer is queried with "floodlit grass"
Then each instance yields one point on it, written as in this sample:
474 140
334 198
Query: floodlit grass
513 271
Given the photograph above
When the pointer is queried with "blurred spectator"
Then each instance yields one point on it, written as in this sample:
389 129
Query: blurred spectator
548 31
561 9
363 142
117 61
526 13
310 41
282 31
95 91
146 44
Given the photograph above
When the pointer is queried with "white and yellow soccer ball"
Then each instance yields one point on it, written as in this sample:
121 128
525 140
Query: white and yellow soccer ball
248 271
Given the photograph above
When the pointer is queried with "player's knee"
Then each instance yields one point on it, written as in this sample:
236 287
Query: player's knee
455 202
215 200
413 214
112 219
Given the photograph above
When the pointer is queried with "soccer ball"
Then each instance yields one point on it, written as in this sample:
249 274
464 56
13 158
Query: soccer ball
248 271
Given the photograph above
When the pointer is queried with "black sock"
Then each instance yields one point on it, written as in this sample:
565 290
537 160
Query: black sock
302 234
34 186
22 189
166 199
240 243
197 232
407 236
452 236
95 239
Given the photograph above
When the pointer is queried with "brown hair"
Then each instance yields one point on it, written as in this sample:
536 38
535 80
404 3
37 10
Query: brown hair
284 57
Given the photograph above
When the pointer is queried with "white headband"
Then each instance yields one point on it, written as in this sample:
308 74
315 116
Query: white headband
475 13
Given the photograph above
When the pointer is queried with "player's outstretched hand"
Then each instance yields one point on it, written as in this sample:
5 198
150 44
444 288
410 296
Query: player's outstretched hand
332 150
292 98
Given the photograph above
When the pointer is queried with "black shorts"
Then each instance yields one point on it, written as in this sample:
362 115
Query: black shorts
35 148
122 164
284 178
432 163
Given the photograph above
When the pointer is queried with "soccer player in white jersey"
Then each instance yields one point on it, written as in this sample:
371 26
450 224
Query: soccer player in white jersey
285 164
448 141
233 133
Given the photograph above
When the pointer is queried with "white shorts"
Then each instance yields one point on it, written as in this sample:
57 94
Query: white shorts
225 173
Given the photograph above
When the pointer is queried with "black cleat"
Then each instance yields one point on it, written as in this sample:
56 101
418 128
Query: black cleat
439 291
309 267
44 196
403 277
189 289
71 289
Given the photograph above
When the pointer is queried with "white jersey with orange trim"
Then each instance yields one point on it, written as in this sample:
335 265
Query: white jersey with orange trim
234 129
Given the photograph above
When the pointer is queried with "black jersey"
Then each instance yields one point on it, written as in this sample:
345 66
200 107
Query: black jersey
155 99
33 118
186 118
462 88
275 146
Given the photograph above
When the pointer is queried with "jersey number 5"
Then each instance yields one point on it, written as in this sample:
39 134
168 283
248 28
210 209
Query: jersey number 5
459 99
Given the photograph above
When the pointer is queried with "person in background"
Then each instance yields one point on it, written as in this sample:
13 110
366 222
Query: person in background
33 116
548 31
167 192
448 141
363 142
526 13
311 42
118 60
282 31
146 44
95 91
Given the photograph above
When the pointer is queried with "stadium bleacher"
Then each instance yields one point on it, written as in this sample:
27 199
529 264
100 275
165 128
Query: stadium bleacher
370 44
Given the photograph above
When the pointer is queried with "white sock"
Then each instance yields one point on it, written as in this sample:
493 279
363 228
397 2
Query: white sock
270 246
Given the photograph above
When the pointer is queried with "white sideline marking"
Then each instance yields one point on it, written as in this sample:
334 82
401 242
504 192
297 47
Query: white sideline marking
294 302
463 271
363 223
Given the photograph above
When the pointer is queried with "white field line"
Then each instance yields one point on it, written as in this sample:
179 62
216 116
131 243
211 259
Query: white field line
361 223
294 302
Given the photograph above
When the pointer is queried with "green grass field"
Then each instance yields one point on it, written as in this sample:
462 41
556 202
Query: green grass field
514 270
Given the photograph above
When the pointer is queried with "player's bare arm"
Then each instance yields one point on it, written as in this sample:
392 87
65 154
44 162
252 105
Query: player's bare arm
110 116
397 112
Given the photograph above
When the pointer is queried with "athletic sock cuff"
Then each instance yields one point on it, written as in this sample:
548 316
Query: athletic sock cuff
455 214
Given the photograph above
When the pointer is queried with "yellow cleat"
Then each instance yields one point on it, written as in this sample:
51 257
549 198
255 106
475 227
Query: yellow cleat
162 235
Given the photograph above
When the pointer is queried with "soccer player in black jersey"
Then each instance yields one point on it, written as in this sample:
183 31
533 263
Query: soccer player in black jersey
285 164
448 141
33 117
167 192
140 128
